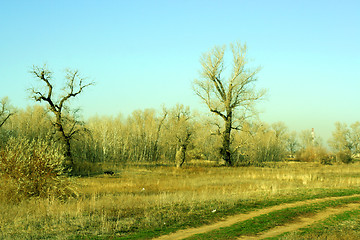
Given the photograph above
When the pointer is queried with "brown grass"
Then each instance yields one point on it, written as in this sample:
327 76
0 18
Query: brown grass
148 198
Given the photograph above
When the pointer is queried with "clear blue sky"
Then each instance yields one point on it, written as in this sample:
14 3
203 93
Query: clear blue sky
146 53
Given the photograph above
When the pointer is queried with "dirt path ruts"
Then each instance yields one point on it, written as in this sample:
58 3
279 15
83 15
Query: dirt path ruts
181 234
303 222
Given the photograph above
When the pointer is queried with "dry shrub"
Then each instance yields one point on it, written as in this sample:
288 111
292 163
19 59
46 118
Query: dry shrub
314 154
32 169
306 155
344 157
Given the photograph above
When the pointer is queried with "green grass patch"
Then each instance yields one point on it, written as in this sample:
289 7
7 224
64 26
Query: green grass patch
341 226
267 221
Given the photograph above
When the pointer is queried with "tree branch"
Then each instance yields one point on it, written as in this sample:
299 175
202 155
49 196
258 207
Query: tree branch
5 111
218 113
5 119
72 76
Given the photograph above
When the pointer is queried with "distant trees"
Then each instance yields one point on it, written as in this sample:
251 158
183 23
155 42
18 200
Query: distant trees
107 142
355 137
308 140
65 124
259 143
175 136
135 139
292 143
310 148
342 139
32 123
230 98
144 135
345 141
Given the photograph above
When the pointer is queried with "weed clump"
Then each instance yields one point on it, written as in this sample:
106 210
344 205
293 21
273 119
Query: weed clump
32 169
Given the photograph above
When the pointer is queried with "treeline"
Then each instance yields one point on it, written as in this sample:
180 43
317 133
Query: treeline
174 136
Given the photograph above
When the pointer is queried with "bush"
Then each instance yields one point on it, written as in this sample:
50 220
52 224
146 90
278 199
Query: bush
344 157
306 155
33 169
314 154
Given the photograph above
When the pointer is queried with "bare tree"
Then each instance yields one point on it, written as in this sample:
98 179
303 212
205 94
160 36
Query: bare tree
180 131
155 155
5 112
64 124
307 140
355 137
143 135
230 98
346 138
292 143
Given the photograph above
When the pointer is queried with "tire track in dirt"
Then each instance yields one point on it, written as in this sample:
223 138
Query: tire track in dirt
303 222
185 233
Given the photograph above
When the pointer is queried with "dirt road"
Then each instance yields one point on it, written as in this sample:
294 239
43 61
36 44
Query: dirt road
278 230
303 222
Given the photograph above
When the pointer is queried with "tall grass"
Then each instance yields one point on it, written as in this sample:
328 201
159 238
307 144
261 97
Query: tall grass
136 199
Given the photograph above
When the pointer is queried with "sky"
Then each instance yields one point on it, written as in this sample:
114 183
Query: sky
143 54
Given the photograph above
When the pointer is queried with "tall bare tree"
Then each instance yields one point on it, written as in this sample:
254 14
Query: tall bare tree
230 98
65 125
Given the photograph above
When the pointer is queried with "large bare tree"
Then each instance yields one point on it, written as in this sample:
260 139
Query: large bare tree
231 98
64 124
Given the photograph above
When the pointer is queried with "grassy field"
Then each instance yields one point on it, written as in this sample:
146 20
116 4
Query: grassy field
145 202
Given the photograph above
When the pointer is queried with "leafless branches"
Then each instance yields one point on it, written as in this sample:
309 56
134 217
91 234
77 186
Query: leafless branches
230 98
75 85
223 95
67 126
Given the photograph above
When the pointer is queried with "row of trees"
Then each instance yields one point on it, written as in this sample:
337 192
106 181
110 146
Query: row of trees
172 135
231 132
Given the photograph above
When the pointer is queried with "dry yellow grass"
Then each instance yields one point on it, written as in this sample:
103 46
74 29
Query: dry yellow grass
153 197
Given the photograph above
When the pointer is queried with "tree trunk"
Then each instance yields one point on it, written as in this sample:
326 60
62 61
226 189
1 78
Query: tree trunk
69 163
155 154
180 156
225 150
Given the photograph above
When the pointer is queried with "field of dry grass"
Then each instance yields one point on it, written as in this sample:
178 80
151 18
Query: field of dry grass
140 199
